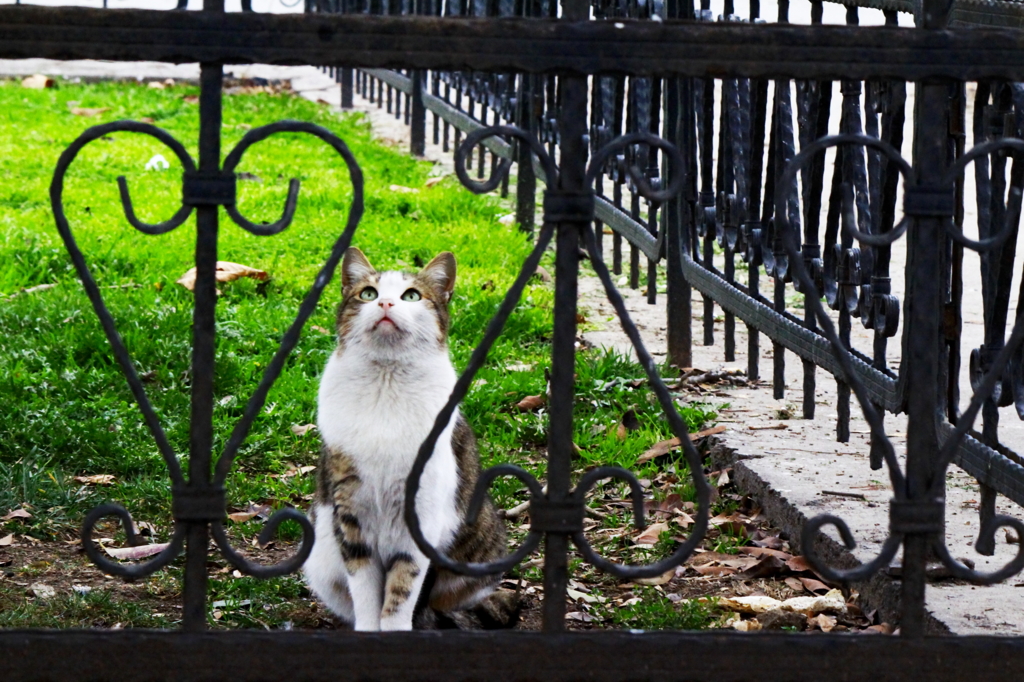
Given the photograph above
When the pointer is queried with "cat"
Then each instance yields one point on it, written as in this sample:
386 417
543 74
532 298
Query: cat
379 396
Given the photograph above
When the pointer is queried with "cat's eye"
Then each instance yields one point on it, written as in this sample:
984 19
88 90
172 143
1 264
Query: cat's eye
411 295
368 294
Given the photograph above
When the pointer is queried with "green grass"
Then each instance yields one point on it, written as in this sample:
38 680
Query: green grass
95 609
74 413
652 610
69 410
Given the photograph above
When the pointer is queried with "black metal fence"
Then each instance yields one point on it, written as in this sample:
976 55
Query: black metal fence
588 94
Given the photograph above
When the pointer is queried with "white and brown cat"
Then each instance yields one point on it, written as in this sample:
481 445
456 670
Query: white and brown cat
379 396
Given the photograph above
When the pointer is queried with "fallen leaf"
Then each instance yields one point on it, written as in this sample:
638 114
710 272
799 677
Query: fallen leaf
433 181
320 329
544 275
832 602
191 99
16 514
664 447
651 534
579 616
822 622
1011 537
303 429
766 567
746 625
812 585
740 563
531 402
658 579
576 595
88 111
883 628
751 604
38 82
157 85
769 542
42 591
402 190
765 551
683 519
252 512
136 553
97 479
715 569
226 272
723 480
7 541
146 119
794 584
300 471
798 564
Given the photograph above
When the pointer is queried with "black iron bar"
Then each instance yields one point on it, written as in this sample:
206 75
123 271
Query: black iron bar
572 128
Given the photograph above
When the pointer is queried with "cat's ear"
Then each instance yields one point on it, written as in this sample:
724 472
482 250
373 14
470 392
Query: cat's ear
355 267
440 272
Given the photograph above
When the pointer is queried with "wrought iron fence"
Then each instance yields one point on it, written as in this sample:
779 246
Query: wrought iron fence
727 213
610 85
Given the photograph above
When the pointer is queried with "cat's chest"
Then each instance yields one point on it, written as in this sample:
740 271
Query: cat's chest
367 412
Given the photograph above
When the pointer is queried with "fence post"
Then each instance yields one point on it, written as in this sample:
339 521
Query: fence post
526 181
347 79
418 116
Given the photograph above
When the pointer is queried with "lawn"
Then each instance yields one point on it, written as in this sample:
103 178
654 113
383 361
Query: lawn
70 415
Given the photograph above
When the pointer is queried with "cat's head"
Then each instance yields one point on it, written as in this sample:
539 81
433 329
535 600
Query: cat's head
389 314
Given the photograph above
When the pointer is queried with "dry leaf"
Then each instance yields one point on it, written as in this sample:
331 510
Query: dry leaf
88 111
832 602
683 519
544 275
751 604
251 513
766 567
664 447
765 551
531 402
723 480
822 622
715 569
42 591
16 514
136 553
157 85
300 471
795 584
658 579
303 429
38 82
226 272
191 99
433 181
146 119
812 585
7 541
98 479
746 625
402 190
883 628
650 536
579 616
798 564
320 329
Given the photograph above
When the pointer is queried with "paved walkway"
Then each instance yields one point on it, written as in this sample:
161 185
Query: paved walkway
788 462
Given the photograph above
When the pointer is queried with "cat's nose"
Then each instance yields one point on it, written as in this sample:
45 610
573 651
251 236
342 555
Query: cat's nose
386 304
